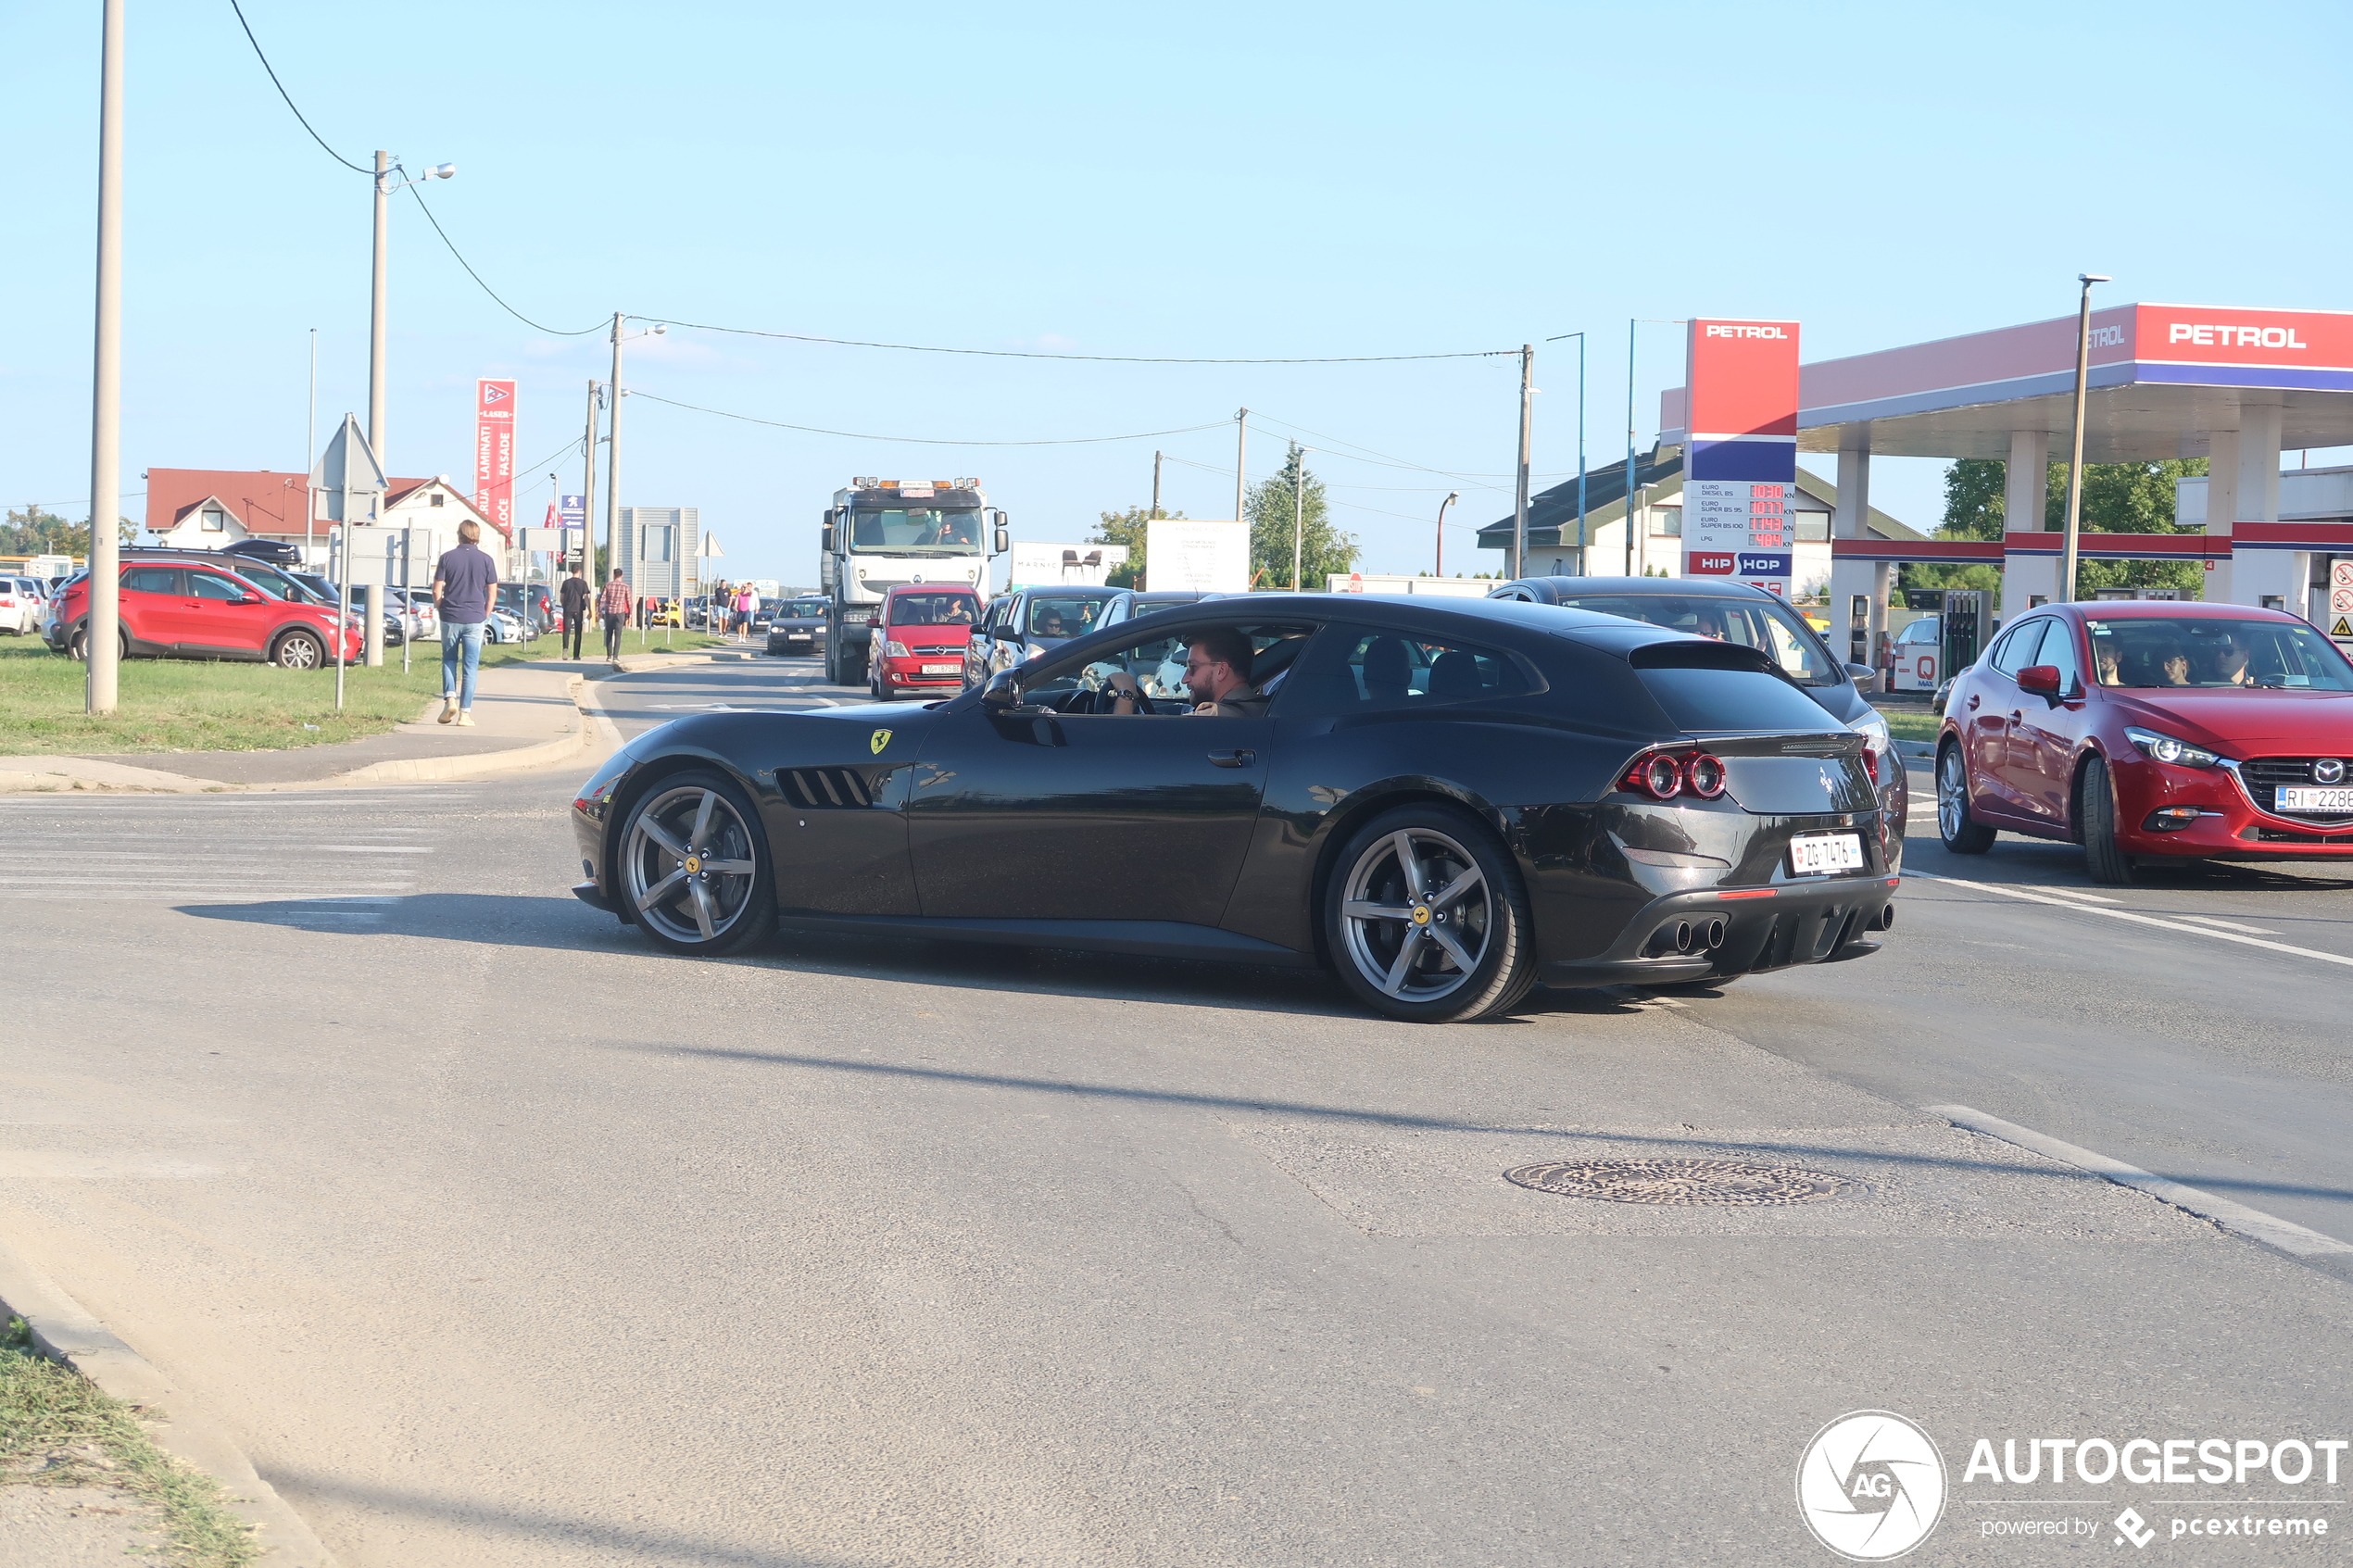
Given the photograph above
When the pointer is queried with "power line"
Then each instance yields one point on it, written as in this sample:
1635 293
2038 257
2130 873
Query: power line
553 332
920 440
288 96
1095 358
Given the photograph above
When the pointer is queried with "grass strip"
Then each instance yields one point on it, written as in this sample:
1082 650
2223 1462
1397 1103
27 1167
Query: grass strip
167 705
59 1429
1910 723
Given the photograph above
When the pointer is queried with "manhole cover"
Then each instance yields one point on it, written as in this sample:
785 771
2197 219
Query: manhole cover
1720 1182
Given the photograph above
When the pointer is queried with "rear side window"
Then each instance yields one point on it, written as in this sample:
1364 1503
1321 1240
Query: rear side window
1379 669
152 580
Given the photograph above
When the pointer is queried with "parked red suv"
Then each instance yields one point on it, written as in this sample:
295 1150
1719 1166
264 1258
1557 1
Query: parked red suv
171 610
919 639
2146 729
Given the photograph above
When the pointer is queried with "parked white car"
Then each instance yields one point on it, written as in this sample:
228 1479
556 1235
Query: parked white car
22 602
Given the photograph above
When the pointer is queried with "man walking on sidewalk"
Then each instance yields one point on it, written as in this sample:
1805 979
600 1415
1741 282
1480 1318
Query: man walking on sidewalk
576 602
465 582
613 605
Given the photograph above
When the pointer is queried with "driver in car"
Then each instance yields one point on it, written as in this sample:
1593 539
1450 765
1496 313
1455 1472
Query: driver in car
1216 669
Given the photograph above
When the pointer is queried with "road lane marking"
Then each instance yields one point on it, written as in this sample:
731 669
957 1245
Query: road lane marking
2138 919
2231 1216
2233 925
363 848
2079 893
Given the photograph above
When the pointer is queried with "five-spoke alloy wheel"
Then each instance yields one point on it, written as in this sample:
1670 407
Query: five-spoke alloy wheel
694 866
1963 835
1425 918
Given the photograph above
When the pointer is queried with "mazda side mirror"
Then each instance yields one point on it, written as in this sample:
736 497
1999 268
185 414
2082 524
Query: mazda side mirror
1860 671
2041 679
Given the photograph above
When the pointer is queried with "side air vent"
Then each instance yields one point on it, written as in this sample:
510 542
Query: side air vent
822 789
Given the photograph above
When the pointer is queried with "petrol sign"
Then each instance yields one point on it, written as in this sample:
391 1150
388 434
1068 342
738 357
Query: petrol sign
1742 452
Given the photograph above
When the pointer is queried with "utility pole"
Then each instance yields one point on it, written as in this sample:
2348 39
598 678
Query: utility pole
1629 447
2075 464
1581 568
1298 513
1519 505
588 494
376 314
99 643
1155 487
1452 497
612 464
1241 452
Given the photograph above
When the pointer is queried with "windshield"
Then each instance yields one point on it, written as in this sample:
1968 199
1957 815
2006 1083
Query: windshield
1768 624
1056 616
2171 651
934 609
807 610
915 530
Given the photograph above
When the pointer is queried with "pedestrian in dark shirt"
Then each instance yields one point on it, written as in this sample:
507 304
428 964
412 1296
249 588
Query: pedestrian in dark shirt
576 602
465 582
613 605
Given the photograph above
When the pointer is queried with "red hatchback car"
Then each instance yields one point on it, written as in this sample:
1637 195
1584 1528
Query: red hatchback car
919 639
171 610
2151 730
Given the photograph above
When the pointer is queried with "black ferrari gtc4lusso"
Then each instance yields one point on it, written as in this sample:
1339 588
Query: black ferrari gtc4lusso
1446 802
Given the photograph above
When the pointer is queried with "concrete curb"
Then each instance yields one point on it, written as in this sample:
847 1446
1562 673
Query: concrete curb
1916 748
432 770
64 1331
79 774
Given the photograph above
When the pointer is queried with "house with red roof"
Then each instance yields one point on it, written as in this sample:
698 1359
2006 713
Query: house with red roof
211 509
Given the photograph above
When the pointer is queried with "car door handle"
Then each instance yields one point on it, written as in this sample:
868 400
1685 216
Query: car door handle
1233 758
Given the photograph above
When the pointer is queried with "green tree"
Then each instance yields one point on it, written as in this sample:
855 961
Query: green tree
1274 515
31 531
1127 528
2118 499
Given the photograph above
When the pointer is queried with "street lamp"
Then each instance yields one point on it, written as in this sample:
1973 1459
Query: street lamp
2075 465
1452 497
387 164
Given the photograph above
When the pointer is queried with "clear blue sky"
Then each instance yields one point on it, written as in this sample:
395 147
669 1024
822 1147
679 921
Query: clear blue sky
1212 180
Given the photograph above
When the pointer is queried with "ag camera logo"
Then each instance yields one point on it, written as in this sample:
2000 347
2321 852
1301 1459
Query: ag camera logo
1871 1486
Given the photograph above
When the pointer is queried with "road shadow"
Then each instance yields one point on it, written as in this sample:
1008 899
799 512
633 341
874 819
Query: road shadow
588 1535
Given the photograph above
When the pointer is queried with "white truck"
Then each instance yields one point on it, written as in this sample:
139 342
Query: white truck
884 534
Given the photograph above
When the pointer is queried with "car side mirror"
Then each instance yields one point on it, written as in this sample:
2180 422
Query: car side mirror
2040 679
1860 671
248 598
1002 693
1004 540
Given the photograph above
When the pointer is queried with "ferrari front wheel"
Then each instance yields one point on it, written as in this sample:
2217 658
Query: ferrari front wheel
1427 920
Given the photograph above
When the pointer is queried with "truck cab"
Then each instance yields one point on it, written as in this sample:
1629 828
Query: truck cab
885 533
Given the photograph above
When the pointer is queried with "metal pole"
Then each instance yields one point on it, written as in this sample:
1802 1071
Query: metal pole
343 592
1241 452
612 462
99 643
1155 486
1298 511
588 499
408 606
2075 463
1581 455
1630 448
376 319
310 451
1452 497
1519 504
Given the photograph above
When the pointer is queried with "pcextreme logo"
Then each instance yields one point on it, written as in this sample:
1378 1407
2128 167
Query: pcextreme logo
1871 1486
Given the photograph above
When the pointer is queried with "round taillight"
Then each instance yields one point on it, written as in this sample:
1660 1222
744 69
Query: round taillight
1705 775
1662 777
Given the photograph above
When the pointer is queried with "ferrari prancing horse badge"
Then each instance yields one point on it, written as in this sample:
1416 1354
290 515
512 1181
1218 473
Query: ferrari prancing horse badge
882 738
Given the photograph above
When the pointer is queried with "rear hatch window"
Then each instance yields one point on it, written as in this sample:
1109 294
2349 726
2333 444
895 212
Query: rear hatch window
1706 687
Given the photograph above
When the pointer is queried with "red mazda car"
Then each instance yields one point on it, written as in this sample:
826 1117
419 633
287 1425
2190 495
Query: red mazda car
175 610
2145 729
919 639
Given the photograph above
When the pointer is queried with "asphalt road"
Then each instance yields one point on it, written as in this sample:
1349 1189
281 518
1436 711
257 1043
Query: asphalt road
499 1237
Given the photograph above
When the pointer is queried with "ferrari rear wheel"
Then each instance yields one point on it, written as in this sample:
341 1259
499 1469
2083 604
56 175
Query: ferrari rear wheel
1427 920
2096 803
695 869
1962 833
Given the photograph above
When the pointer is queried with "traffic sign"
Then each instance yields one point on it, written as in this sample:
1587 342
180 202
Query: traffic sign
2341 574
2341 601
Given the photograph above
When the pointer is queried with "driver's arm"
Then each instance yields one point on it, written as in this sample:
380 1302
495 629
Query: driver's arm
1130 697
